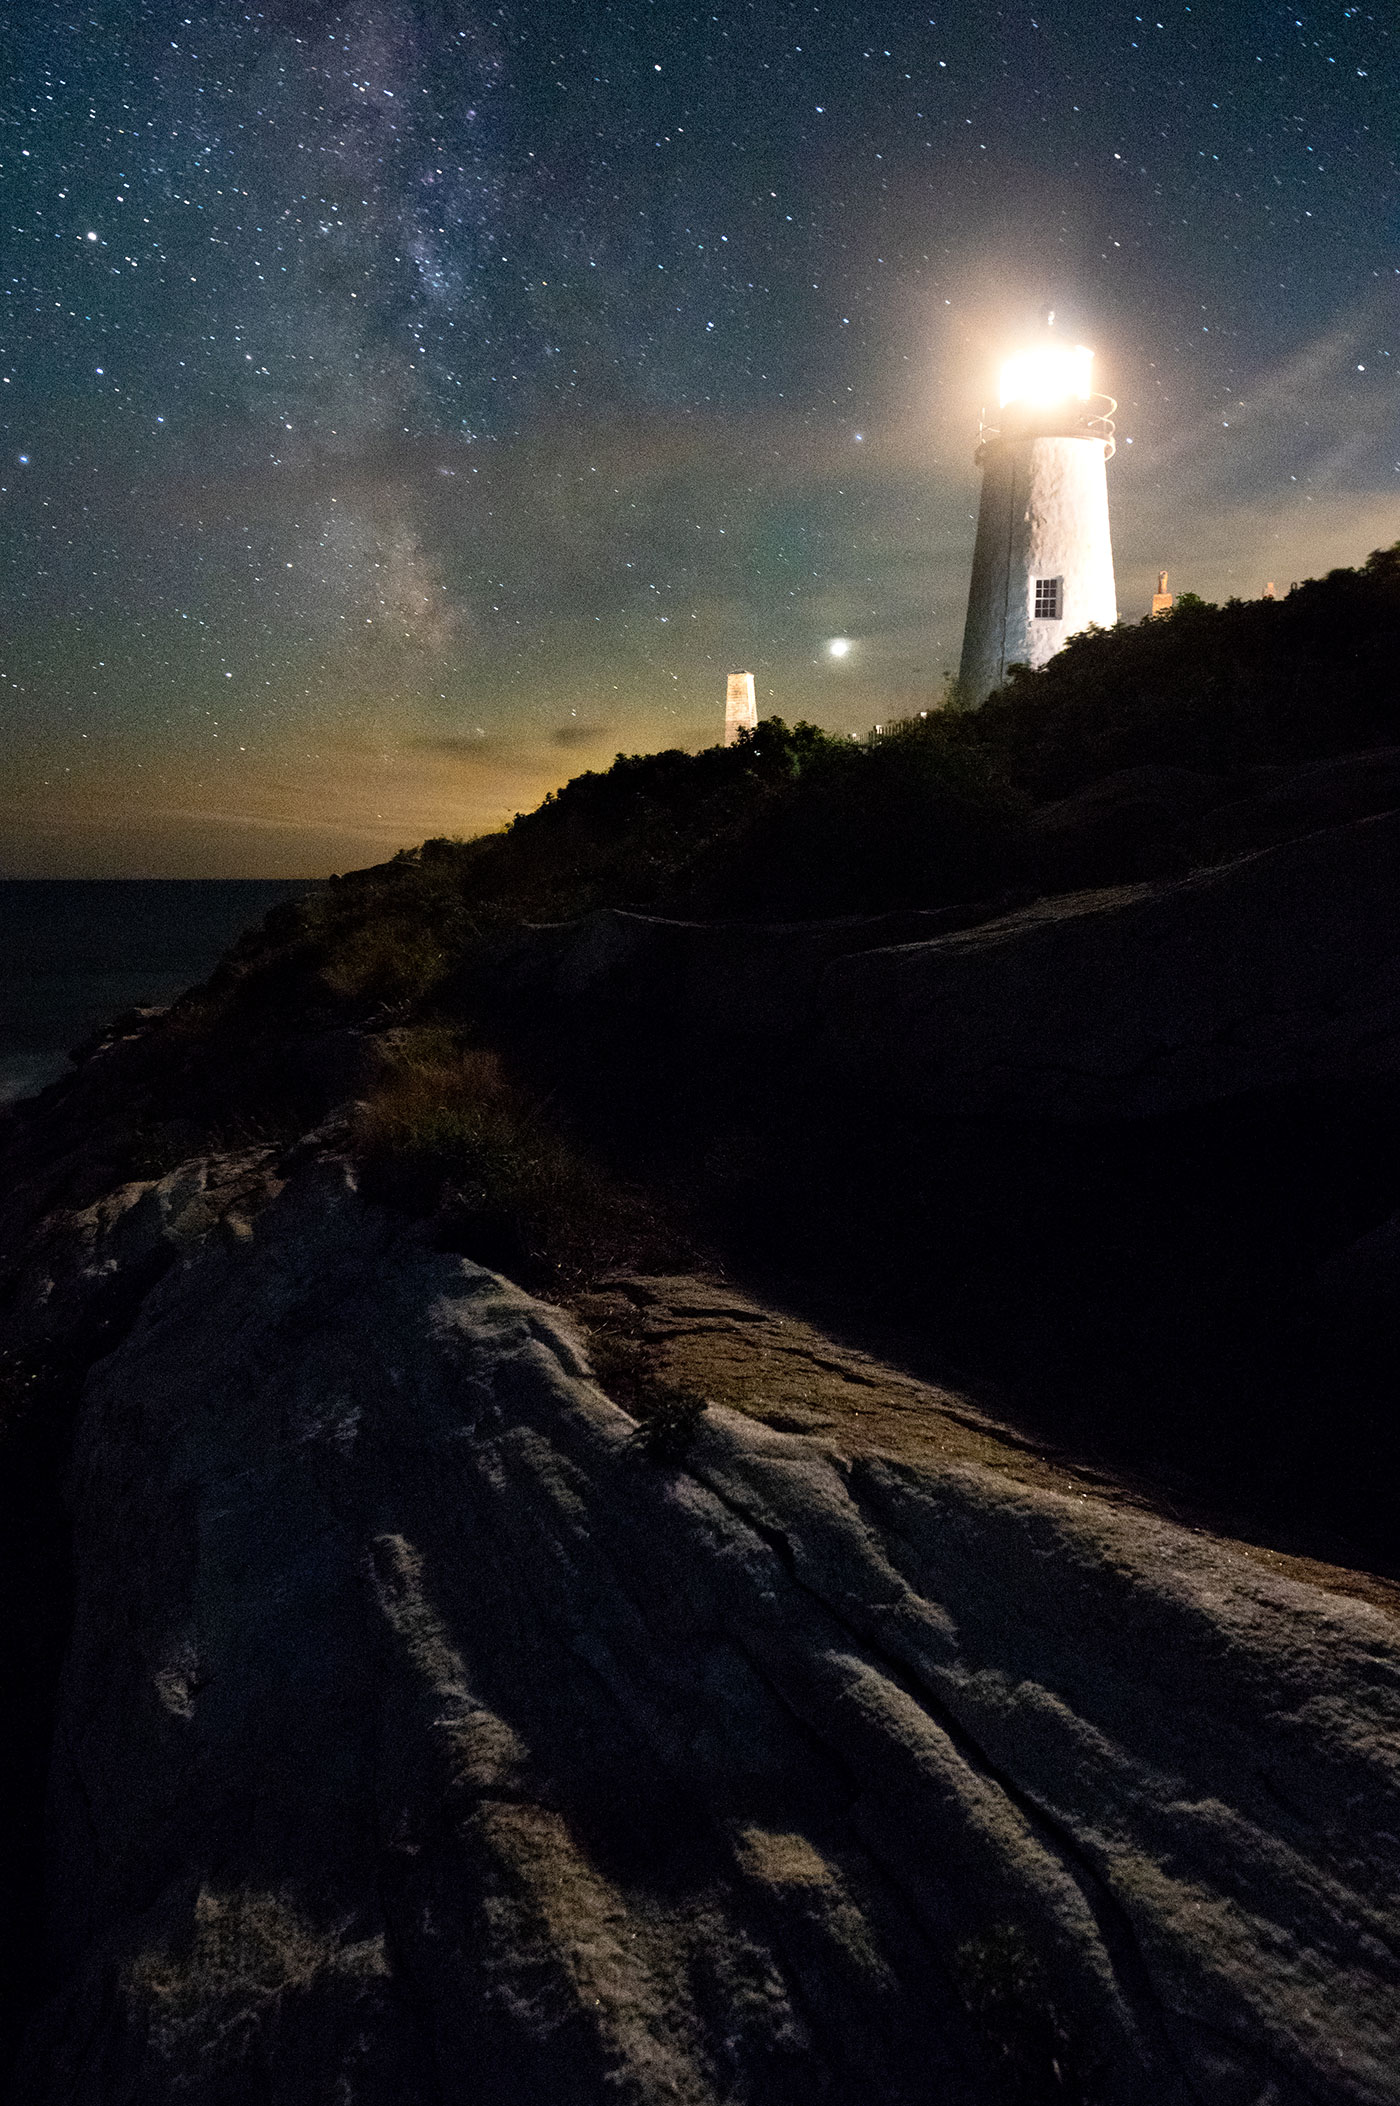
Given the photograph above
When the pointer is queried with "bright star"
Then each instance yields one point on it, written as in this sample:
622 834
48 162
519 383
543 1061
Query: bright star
839 647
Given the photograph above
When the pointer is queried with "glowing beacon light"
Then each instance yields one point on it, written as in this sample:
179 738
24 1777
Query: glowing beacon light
1054 373
1042 568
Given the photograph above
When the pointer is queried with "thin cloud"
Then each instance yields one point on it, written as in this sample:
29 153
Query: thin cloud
579 734
262 822
1308 407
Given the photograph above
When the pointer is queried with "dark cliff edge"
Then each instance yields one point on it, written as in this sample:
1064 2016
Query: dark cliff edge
617 1503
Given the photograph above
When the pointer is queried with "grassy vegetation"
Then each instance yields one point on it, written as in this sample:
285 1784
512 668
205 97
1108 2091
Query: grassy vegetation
446 1134
669 1424
668 1414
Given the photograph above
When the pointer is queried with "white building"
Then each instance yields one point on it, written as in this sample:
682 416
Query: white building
1042 567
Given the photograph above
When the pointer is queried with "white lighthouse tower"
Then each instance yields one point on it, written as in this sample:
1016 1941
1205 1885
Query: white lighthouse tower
1043 564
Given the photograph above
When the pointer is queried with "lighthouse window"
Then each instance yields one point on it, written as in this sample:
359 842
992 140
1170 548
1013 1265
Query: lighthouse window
1047 599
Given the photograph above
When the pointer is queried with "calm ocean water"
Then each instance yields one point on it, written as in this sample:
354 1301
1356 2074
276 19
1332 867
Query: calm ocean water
75 952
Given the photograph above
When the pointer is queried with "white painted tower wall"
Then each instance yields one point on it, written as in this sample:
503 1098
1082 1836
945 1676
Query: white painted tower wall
1043 516
740 709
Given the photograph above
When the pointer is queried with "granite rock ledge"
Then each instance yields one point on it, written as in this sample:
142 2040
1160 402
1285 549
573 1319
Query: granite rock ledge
420 1739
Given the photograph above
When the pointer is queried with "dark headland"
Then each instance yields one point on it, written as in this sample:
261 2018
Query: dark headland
740 1445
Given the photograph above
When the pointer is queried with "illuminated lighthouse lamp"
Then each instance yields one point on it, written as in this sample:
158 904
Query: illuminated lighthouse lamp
1052 373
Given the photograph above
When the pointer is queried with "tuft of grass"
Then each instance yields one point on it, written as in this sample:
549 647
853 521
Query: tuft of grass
448 1134
668 1415
669 1424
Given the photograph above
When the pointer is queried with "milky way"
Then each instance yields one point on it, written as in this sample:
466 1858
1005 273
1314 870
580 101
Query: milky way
407 407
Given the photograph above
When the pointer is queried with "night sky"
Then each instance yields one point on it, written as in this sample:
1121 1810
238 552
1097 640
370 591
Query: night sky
407 407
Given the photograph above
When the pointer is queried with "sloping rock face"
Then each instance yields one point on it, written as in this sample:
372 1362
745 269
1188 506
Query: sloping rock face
421 1739
1121 828
1299 801
1139 1001
1280 968
86 1269
1154 821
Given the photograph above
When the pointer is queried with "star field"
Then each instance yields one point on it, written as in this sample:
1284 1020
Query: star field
402 408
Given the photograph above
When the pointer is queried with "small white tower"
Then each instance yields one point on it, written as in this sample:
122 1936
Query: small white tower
740 709
1043 564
